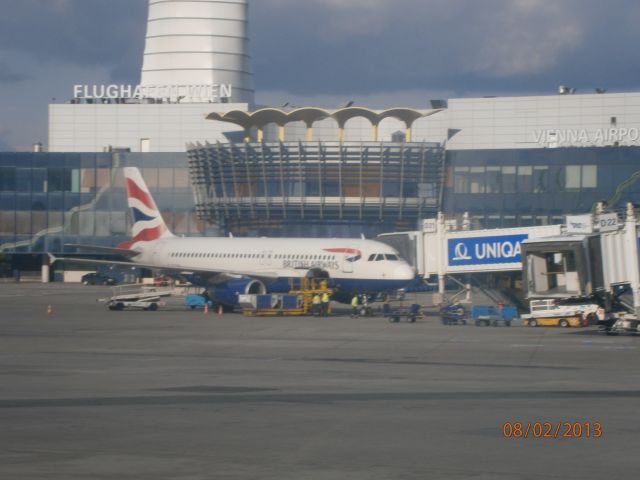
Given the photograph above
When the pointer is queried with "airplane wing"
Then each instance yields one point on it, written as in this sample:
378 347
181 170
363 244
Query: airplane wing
104 250
220 275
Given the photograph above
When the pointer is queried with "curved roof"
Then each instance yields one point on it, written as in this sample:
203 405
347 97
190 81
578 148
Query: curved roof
309 115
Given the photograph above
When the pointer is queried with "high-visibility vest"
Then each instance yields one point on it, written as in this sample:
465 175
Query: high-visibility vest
316 300
354 302
325 298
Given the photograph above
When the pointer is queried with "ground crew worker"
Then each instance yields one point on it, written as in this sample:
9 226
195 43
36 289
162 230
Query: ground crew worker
325 304
316 305
355 303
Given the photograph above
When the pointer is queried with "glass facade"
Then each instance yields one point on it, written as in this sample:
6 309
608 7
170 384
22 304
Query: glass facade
318 188
510 188
48 200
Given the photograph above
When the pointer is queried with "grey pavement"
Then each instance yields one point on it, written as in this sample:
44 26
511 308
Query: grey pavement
90 393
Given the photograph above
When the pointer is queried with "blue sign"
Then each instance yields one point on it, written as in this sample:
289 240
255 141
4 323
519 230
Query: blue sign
485 250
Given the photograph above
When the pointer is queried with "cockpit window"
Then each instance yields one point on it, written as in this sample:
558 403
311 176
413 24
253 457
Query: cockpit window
372 257
393 258
380 257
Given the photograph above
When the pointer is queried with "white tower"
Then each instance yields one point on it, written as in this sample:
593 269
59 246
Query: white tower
195 46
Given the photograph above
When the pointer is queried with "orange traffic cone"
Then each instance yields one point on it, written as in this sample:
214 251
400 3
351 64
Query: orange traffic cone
206 308
220 310
50 310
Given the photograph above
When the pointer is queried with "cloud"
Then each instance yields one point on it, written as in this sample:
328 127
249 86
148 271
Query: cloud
77 32
526 37
325 46
7 75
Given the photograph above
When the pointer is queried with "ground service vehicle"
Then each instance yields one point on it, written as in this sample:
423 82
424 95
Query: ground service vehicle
96 278
553 313
485 315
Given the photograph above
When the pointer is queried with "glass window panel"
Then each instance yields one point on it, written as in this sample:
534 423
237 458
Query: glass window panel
118 178
7 222
181 178
197 225
71 223
118 223
55 220
492 221
39 180
87 180
23 223
540 179
589 176
461 182
509 221
87 224
75 180
572 177
39 202
476 180
526 221
7 179
58 180
103 224
508 179
23 180
181 224
492 178
150 176
103 177
165 178
38 221
525 179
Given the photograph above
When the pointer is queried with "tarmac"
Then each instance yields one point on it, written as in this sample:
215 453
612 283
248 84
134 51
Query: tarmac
175 394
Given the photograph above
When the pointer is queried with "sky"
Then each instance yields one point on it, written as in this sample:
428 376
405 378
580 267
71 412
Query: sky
378 53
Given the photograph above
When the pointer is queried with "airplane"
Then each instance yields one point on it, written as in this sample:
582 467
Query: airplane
228 266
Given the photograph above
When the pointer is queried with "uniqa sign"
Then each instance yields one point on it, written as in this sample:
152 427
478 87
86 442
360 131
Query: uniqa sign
485 250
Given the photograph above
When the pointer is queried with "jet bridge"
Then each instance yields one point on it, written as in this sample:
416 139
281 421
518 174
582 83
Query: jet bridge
597 256
590 256
442 248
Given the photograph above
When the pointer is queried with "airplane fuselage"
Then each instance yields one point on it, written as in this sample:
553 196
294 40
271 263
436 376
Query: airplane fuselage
353 265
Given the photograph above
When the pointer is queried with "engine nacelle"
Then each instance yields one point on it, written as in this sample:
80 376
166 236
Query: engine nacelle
227 293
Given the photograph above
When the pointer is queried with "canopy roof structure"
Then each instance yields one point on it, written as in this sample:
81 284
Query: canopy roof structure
309 115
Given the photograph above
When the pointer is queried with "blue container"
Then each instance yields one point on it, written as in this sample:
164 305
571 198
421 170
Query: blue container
289 302
506 313
509 312
263 301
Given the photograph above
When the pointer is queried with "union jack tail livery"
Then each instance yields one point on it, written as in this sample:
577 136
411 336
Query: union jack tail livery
148 224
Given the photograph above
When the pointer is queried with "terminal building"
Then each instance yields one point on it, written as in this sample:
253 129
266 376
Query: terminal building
217 163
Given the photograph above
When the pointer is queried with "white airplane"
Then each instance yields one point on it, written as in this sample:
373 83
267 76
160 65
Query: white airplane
228 267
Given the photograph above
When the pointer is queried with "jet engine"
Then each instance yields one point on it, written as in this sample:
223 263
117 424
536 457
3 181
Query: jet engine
227 293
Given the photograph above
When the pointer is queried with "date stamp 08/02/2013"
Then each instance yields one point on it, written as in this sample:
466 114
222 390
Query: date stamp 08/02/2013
542 430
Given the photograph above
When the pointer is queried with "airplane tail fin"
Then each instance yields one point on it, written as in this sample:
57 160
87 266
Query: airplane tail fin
148 224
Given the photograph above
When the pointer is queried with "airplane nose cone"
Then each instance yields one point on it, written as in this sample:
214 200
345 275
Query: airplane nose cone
404 272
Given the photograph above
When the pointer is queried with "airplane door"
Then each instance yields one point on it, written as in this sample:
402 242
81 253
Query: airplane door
348 258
